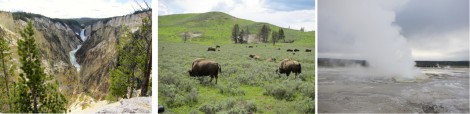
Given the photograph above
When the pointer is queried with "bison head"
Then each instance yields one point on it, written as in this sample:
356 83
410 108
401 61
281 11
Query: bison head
190 73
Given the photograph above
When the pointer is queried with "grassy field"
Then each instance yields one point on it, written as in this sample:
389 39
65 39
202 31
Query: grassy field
244 86
216 28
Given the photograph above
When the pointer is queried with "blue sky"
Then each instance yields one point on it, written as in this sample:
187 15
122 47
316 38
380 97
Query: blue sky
285 13
72 8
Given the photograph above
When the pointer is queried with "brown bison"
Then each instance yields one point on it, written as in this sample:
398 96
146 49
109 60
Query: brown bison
287 66
271 60
289 50
256 57
250 46
203 67
217 46
308 50
278 48
296 50
210 49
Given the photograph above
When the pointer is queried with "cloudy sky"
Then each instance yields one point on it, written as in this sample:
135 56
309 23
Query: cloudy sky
284 13
72 8
433 29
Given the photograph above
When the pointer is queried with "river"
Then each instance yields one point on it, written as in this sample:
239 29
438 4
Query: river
73 59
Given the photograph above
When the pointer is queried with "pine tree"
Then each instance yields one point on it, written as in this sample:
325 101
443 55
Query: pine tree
144 46
264 33
7 69
35 91
282 35
275 37
235 32
121 75
240 38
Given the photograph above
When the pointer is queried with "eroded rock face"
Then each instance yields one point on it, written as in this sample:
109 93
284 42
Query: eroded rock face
54 41
132 105
98 53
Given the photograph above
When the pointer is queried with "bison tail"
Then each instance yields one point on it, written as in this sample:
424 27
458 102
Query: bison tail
220 68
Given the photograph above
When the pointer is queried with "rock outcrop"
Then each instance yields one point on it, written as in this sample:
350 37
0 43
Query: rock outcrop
98 53
54 41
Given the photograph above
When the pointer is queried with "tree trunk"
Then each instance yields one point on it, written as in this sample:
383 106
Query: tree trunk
132 83
148 67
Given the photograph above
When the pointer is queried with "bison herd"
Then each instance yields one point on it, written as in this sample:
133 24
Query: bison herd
204 67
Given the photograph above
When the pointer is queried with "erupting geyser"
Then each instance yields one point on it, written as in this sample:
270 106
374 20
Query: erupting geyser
374 36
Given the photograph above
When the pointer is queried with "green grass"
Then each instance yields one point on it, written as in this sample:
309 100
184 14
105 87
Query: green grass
245 82
216 28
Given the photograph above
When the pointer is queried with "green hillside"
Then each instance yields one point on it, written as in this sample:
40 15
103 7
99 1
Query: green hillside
216 28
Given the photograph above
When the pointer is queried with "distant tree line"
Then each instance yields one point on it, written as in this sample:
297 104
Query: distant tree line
263 35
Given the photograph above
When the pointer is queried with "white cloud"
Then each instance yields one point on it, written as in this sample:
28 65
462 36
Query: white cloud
256 10
71 8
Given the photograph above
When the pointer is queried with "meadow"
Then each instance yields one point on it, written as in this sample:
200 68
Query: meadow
244 86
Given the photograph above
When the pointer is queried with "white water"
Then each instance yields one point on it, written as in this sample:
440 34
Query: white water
73 59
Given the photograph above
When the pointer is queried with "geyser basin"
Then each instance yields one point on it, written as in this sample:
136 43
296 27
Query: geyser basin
354 90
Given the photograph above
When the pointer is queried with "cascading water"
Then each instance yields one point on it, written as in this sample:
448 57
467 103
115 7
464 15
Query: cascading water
73 59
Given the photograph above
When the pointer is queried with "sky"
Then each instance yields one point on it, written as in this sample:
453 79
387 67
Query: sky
434 30
72 8
285 13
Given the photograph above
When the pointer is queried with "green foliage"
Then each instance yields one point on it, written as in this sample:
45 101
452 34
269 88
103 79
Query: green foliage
235 33
34 91
134 61
241 79
264 33
121 75
7 70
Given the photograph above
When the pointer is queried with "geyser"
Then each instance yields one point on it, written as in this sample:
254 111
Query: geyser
374 36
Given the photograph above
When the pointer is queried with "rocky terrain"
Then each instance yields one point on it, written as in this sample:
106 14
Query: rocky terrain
55 38
98 53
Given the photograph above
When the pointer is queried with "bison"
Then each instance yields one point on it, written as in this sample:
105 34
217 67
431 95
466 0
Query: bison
203 67
308 50
271 60
256 57
217 46
210 49
278 48
250 46
287 66
289 50
296 50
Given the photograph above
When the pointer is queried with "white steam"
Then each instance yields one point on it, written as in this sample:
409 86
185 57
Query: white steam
370 23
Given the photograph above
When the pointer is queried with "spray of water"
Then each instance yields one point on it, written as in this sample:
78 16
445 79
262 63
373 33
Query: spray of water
370 23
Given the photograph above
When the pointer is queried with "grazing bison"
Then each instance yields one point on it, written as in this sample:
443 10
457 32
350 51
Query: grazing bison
256 57
250 46
289 50
271 60
278 48
203 67
296 50
210 49
217 46
287 66
308 50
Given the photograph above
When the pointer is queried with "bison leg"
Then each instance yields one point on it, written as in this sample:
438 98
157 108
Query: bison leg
211 79
216 79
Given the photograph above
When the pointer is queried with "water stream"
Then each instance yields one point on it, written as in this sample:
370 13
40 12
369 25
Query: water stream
73 59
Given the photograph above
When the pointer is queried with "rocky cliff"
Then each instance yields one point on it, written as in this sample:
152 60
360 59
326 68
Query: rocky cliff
98 53
55 38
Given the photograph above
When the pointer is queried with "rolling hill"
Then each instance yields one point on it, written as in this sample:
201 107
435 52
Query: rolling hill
216 27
